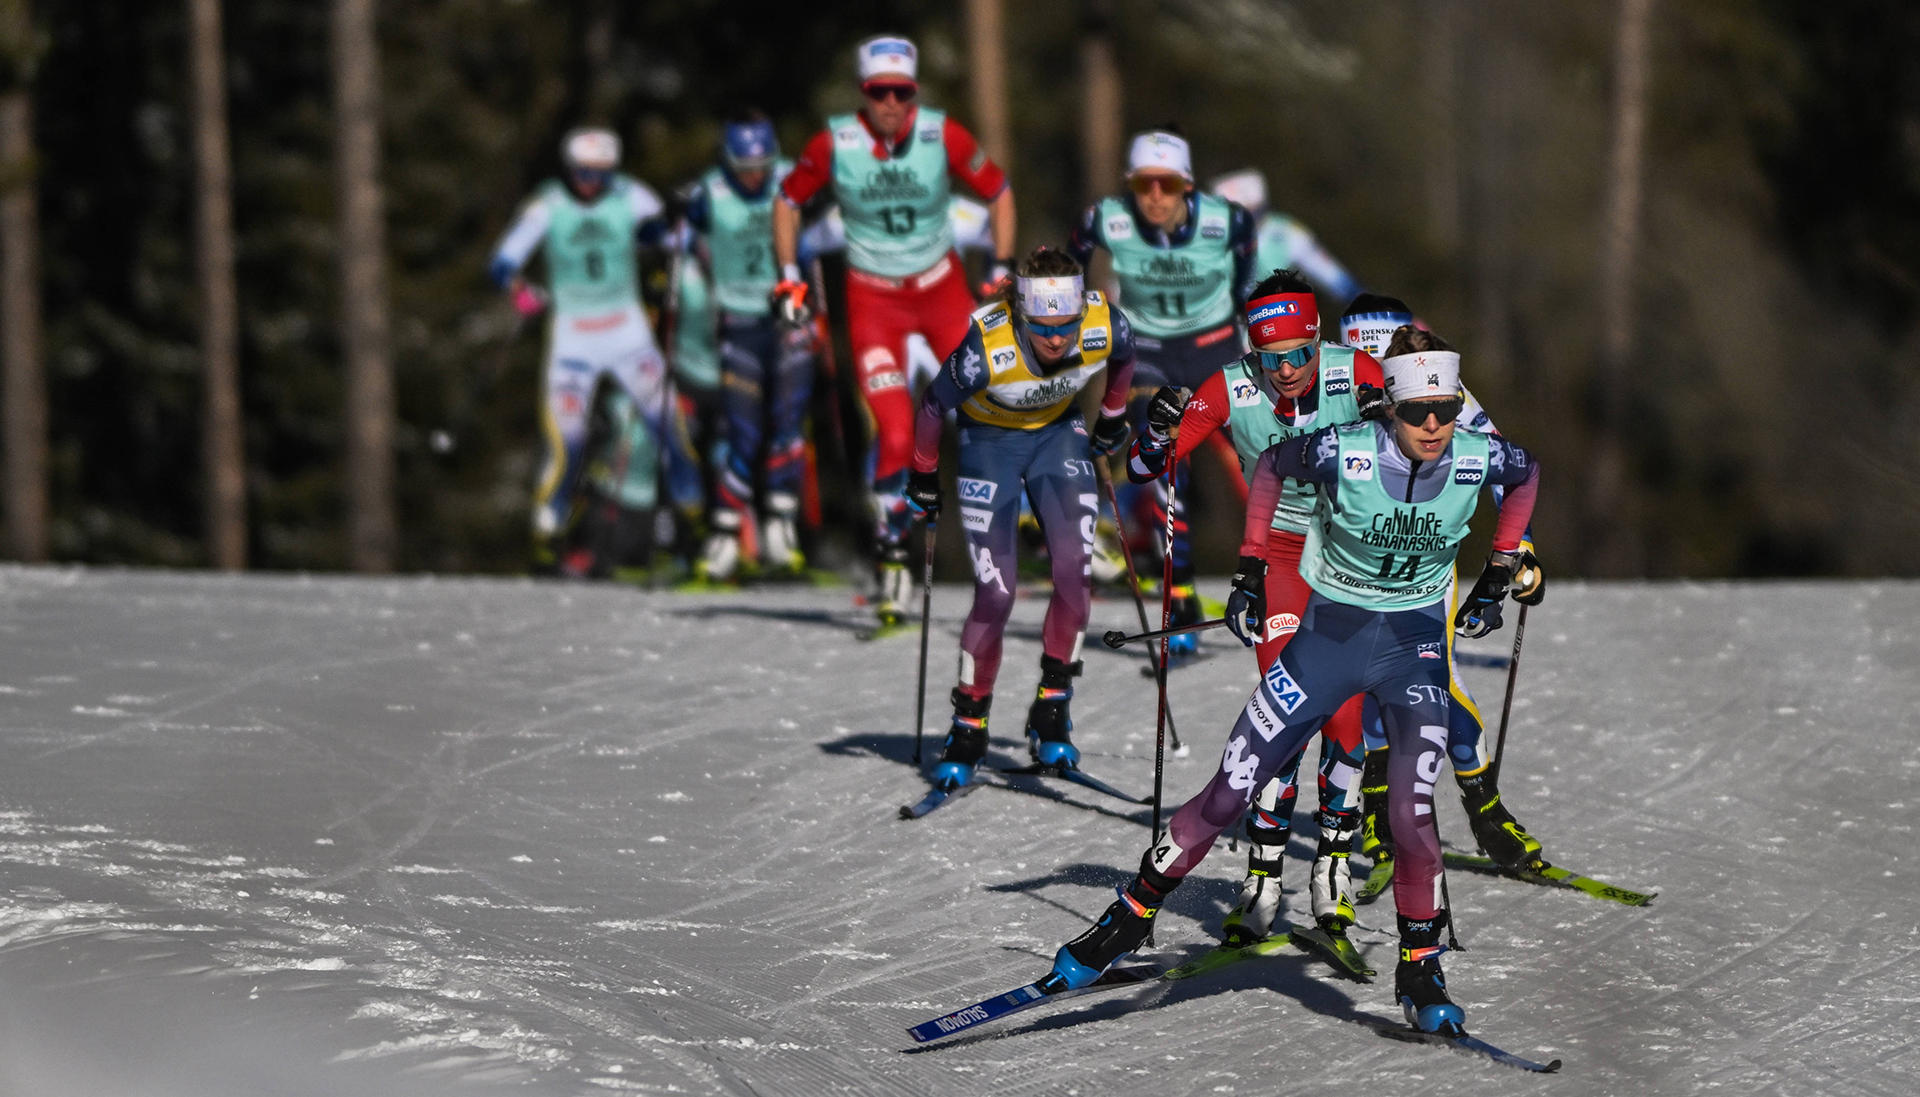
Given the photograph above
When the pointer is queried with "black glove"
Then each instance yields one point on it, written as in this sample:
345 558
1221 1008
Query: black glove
1109 435
1479 613
1247 605
1529 582
1164 412
1373 402
923 493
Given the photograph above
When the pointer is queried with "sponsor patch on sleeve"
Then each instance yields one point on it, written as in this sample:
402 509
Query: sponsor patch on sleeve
1469 469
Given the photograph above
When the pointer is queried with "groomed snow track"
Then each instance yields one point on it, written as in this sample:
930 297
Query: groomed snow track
316 836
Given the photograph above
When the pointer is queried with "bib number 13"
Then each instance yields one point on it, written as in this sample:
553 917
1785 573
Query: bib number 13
899 220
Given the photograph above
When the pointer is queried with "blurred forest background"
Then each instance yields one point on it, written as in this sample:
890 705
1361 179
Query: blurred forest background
1743 407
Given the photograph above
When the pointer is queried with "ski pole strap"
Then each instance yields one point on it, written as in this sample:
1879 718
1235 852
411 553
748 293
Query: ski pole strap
1415 955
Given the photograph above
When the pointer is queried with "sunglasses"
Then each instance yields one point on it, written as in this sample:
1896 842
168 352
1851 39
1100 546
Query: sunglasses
899 93
1170 185
1414 412
1297 358
1055 331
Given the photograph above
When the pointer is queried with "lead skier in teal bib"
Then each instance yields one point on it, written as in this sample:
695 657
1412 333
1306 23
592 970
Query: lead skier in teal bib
588 226
1395 503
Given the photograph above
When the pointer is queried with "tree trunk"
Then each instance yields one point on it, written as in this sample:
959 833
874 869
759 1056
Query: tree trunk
1101 123
222 451
1612 519
24 388
371 532
987 35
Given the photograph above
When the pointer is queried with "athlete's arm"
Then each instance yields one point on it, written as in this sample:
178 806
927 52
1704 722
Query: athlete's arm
969 163
1243 239
516 247
1312 457
1206 412
813 171
1513 468
1086 236
963 375
1113 401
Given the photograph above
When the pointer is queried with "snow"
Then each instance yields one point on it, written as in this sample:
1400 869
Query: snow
314 835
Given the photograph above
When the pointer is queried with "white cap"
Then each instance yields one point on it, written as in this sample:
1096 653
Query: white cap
594 149
1156 151
887 58
1060 295
1422 375
1247 187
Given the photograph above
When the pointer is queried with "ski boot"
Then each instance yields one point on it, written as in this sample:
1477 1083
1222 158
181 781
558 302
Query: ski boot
780 537
1049 724
1126 924
720 557
1376 834
1418 982
1494 827
1186 611
1251 919
966 741
895 586
1332 880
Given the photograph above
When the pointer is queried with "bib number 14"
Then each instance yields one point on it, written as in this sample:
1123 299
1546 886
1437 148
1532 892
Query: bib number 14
1399 567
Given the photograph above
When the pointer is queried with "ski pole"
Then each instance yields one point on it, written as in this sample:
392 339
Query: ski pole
1513 672
1116 639
926 626
1166 619
1139 602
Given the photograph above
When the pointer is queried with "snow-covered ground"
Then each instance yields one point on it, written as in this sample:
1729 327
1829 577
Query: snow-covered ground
317 836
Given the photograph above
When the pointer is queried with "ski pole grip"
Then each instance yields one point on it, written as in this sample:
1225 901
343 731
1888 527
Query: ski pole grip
1114 639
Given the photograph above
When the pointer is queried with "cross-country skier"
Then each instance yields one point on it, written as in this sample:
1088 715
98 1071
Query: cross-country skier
1291 384
889 167
1284 243
1396 501
1369 323
1184 264
1014 379
767 366
588 225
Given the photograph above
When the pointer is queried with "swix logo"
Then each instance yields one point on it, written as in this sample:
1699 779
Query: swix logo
977 491
1357 466
1286 692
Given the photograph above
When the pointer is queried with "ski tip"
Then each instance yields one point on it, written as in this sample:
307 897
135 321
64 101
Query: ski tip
1552 1067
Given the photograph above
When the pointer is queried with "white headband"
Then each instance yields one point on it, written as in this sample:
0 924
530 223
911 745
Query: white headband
1057 296
1156 151
1422 374
595 149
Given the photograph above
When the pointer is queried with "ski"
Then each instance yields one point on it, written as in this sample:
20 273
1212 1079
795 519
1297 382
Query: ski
885 631
1023 998
934 799
1075 774
1336 950
1377 880
1222 955
1547 875
1471 1044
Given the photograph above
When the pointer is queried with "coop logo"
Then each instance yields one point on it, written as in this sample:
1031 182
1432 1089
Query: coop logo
1339 380
993 319
1093 339
1245 393
1470 470
977 491
1357 466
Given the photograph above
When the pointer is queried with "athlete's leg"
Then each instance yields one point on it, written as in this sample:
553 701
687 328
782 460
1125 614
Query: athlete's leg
563 430
1413 698
1061 486
878 320
991 463
785 468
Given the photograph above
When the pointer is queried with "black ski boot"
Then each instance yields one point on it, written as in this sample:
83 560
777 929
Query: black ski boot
1251 919
1049 724
1376 834
1418 982
1494 827
1126 923
966 741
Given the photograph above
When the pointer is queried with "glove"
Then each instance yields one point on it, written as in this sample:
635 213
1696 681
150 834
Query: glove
1247 605
1529 582
1373 402
1109 435
790 304
997 275
1479 614
1164 412
528 301
923 493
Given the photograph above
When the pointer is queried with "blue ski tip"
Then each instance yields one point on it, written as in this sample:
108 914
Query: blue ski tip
1064 755
1071 971
951 775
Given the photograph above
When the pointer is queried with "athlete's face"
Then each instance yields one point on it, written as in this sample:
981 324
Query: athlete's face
1289 380
888 106
588 182
1161 197
1053 337
1429 438
751 179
